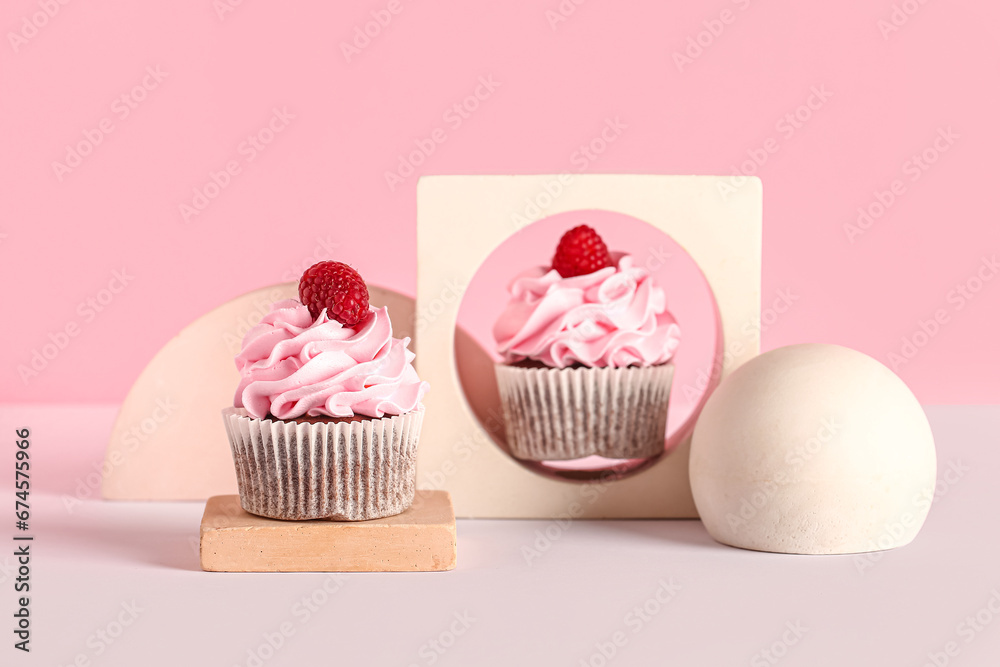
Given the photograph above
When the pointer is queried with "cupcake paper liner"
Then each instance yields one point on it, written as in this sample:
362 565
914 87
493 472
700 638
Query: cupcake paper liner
557 414
347 471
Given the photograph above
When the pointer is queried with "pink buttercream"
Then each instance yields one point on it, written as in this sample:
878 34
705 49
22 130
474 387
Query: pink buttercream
292 366
613 317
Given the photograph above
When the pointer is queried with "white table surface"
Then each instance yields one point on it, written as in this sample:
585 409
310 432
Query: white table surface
92 561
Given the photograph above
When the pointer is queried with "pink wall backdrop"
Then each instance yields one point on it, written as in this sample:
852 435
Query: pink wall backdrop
161 157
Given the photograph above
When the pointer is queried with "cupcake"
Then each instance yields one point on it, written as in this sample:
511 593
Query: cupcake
327 414
586 346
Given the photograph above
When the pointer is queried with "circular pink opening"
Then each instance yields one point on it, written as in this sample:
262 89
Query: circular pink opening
689 298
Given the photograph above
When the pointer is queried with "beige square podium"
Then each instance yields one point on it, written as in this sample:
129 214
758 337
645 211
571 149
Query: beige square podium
421 539
462 219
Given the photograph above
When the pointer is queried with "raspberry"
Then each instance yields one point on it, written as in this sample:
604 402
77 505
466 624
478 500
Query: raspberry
336 287
581 251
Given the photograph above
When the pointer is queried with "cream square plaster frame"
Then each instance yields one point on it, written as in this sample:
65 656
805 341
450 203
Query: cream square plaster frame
461 220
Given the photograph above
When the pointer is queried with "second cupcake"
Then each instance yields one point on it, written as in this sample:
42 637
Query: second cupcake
587 344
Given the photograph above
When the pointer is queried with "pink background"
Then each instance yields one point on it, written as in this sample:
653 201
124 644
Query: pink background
321 181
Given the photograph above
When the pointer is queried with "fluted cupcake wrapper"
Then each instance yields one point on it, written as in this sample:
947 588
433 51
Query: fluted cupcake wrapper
347 471
557 414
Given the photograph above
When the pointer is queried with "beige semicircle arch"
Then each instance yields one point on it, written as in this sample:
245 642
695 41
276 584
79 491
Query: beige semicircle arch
169 442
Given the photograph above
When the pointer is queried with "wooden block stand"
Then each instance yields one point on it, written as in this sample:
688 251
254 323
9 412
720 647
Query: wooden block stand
421 539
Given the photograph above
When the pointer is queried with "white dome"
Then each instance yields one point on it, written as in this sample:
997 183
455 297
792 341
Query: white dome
813 449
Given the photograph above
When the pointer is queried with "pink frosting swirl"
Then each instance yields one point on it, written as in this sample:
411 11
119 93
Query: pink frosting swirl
292 366
613 317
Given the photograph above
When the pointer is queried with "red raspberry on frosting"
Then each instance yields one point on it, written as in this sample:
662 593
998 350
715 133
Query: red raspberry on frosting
581 251
336 287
